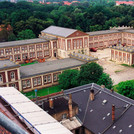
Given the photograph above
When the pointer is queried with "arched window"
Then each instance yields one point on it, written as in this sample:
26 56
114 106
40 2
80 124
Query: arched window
1 78
12 75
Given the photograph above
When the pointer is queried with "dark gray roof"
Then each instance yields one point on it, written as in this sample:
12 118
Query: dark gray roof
126 48
97 115
59 31
49 66
7 64
21 42
129 31
83 57
102 32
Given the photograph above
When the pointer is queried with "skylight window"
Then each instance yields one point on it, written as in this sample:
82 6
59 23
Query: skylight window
84 90
108 114
120 131
91 110
104 118
104 102
130 126
80 110
114 127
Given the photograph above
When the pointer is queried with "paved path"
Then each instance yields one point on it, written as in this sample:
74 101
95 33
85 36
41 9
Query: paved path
117 72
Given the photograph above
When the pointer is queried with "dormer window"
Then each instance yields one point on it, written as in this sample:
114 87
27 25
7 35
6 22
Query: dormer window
1 78
12 75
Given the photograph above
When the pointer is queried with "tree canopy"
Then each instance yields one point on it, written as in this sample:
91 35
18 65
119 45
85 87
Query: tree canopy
93 16
105 80
68 79
126 88
89 73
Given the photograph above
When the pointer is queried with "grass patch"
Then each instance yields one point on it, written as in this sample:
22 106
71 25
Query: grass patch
117 71
43 92
25 64
125 65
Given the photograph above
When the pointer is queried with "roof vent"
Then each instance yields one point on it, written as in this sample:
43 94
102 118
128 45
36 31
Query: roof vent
91 110
5 65
126 106
84 90
114 127
80 110
108 114
130 126
120 131
103 118
104 102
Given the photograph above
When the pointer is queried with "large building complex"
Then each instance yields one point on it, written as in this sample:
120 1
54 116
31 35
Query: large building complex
71 48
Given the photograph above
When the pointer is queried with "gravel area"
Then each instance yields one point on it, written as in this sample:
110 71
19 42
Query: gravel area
116 71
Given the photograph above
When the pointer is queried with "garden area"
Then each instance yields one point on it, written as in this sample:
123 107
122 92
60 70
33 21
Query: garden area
30 63
43 92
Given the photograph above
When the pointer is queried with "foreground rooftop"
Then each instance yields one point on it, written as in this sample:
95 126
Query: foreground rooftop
96 115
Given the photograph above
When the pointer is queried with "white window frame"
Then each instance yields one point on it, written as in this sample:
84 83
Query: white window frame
1 78
12 75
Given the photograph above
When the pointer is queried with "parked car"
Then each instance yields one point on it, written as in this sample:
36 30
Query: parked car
93 49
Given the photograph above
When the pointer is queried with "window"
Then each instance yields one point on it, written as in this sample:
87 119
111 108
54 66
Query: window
39 47
35 82
80 43
24 49
39 81
1 78
124 58
49 78
54 45
24 84
64 116
46 46
69 46
12 75
74 44
120 58
13 85
28 83
2 52
77 44
85 42
46 53
45 79
31 48
39 54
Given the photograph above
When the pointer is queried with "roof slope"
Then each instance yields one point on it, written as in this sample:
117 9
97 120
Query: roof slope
21 42
97 115
36 119
49 66
59 31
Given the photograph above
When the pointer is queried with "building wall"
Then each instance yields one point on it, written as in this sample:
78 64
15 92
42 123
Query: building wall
10 77
122 57
104 40
41 81
59 116
31 51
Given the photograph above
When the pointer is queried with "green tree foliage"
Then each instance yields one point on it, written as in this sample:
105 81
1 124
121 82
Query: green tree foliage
89 73
68 79
12 37
85 16
105 80
126 88
26 34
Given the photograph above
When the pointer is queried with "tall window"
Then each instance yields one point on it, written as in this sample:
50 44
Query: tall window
39 81
1 78
35 82
12 75
28 83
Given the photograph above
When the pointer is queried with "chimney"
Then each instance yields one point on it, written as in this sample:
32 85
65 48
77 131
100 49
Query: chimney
91 94
70 106
112 90
51 104
113 112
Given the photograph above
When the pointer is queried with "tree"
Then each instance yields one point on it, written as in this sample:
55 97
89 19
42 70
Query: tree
89 73
105 80
11 37
126 88
26 34
68 79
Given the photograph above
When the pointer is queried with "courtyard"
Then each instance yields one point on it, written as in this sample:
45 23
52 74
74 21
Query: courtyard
116 71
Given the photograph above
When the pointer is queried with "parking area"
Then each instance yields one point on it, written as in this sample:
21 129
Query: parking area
116 71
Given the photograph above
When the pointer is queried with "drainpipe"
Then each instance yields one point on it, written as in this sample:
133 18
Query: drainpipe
10 125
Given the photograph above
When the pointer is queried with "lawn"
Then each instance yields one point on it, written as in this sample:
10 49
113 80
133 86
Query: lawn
24 64
43 91
127 65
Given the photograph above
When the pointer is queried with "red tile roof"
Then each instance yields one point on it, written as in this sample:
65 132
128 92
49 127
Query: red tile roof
124 2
